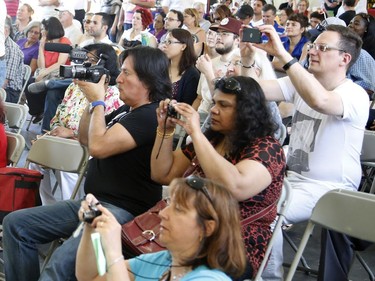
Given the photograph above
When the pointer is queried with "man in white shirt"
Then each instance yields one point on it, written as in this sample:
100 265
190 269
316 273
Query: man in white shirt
257 7
98 30
66 16
330 113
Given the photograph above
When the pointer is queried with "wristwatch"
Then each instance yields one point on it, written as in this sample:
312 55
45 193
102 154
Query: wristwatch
94 104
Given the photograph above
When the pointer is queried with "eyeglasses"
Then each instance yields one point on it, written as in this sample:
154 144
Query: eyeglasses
234 63
322 47
229 84
169 42
87 21
34 32
170 19
199 184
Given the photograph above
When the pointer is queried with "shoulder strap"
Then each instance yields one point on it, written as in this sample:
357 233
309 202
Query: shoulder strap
258 215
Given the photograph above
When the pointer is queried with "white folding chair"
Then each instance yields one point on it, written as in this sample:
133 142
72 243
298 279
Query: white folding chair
368 160
3 94
60 154
332 212
16 115
26 77
282 207
16 145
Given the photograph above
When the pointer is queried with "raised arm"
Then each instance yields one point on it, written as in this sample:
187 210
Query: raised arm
308 87
102 142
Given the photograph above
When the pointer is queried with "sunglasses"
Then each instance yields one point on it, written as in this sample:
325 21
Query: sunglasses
229 84
199 184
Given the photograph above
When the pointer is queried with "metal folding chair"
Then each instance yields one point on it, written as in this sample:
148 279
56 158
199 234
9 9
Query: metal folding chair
282 207
332 212
16 145
26 77
16 115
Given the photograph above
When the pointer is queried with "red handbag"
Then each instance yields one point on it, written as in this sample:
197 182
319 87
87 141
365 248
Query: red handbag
19 189
141 235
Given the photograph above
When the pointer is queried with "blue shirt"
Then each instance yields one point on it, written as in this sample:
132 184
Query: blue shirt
362 72
298 48
152 267
280 31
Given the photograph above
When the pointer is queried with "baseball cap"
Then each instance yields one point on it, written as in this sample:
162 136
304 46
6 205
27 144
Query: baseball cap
228 24
313 33
65 7
245 11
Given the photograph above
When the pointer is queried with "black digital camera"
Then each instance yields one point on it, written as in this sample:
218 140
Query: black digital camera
90 215
171 112
84 71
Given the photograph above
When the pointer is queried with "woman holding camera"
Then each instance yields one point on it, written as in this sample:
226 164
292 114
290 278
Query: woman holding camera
238 151
194 229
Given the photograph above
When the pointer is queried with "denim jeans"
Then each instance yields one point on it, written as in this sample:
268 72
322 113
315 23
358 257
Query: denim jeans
53 99
23 230
3 71
12 95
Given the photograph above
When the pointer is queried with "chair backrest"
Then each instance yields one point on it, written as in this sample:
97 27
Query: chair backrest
368 147
282 207
60 154
3 94
16 145
16 115
343 211
26 77
348 212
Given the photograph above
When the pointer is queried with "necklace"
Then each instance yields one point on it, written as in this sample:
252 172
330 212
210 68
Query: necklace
168 276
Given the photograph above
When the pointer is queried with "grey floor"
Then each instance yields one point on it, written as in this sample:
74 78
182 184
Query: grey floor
311 253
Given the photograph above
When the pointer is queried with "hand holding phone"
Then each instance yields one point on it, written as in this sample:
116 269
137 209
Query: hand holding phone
251 35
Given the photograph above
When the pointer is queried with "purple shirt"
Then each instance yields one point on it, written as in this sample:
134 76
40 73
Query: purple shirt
30 52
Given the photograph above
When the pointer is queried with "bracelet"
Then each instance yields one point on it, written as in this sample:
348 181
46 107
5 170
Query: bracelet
166 135
115 261
250 66
289 64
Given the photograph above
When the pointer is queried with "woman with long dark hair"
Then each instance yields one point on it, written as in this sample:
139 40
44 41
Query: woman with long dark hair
238 151
179 48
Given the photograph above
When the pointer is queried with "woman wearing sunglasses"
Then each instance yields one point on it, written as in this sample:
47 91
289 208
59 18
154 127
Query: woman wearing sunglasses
238 151
194 229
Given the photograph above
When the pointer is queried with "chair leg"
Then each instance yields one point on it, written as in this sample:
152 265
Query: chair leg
301 248
365 266
305 266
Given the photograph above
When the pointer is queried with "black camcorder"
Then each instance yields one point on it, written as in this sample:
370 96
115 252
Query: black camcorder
81 70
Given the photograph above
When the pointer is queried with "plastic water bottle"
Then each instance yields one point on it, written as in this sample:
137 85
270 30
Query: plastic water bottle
144 38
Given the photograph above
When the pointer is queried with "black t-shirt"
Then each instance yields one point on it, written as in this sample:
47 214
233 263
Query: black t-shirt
124 180
347 16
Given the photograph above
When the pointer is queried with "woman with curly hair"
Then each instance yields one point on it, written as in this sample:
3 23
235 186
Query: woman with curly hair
3 137
179 48
142 18
238 151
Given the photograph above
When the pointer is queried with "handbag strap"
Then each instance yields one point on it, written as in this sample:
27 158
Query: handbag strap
258 215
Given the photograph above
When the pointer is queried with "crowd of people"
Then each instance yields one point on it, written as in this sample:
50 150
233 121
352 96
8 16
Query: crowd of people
230 97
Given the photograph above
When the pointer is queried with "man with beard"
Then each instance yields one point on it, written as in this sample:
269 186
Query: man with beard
227 41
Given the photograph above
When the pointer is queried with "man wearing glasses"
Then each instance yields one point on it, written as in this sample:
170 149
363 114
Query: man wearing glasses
66 17
327 131
227 40
174 19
